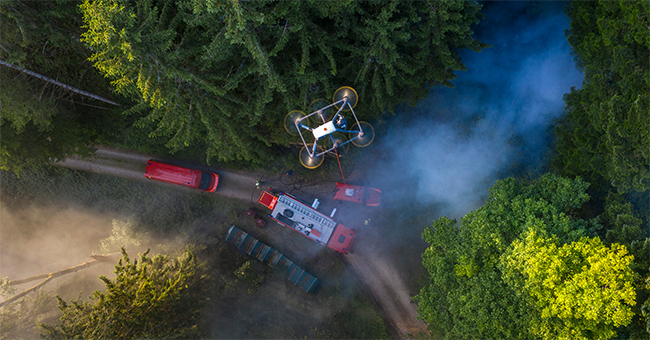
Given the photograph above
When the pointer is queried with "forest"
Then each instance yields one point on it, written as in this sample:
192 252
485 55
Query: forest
558 247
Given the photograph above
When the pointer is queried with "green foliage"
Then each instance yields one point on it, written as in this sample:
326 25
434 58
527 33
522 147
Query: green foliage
607 130
646 306
582 289
606 133
249 272
6 290
41 121
32 146
19 320
155 297
19 105
624 225
224 74
122 236
467 295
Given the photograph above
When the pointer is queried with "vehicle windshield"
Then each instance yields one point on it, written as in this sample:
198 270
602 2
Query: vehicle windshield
205 180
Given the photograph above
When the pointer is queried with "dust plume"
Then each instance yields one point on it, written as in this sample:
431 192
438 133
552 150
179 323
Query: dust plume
452 147
36 240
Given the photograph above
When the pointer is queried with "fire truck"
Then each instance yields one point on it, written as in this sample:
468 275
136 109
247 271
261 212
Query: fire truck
306 220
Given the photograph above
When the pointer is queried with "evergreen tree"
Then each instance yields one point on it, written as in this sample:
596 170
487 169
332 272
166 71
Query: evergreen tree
224 74
153 297
40 121
606 134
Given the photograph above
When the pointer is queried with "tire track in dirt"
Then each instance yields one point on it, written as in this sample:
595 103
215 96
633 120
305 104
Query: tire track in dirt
389 291
132 165
378 273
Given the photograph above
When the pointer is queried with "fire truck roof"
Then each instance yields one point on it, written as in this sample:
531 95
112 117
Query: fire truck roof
303 219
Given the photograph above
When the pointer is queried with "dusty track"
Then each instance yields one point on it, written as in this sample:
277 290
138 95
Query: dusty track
381 277
389 292
132 165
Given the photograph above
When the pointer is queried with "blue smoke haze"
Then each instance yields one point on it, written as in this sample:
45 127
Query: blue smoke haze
452 146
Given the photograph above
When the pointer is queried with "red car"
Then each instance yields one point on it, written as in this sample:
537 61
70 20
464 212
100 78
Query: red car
202 180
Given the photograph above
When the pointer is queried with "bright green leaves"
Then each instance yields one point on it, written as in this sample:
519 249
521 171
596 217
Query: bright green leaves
582 289
494 276
127 47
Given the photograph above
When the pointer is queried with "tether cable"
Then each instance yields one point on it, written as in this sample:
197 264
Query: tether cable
340 168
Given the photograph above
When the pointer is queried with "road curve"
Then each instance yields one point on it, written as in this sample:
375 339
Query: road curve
380 276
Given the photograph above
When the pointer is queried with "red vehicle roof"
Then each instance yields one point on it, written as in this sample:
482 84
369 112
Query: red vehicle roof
341 239
358 194
268 200
349 192
181 176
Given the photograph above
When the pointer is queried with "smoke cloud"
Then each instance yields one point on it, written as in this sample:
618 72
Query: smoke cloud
453 145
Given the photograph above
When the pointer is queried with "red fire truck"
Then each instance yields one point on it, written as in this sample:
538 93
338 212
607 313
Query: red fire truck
306 220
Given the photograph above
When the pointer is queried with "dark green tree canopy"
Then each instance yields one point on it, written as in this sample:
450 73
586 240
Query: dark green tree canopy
41 121
606 133
224 74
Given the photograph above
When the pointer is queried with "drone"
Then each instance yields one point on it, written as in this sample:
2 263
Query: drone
331 129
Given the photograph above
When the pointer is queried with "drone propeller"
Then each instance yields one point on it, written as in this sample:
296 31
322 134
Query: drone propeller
348 92
290 121
309 162
326 114
338 139
364 138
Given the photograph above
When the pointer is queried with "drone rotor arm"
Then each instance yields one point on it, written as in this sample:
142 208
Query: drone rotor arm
304 126
313 152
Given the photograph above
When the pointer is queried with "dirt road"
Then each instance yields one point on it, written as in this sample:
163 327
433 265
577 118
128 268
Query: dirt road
381 277
132 165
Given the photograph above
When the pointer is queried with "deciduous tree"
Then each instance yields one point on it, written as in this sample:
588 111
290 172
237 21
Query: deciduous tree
476 290
581 290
